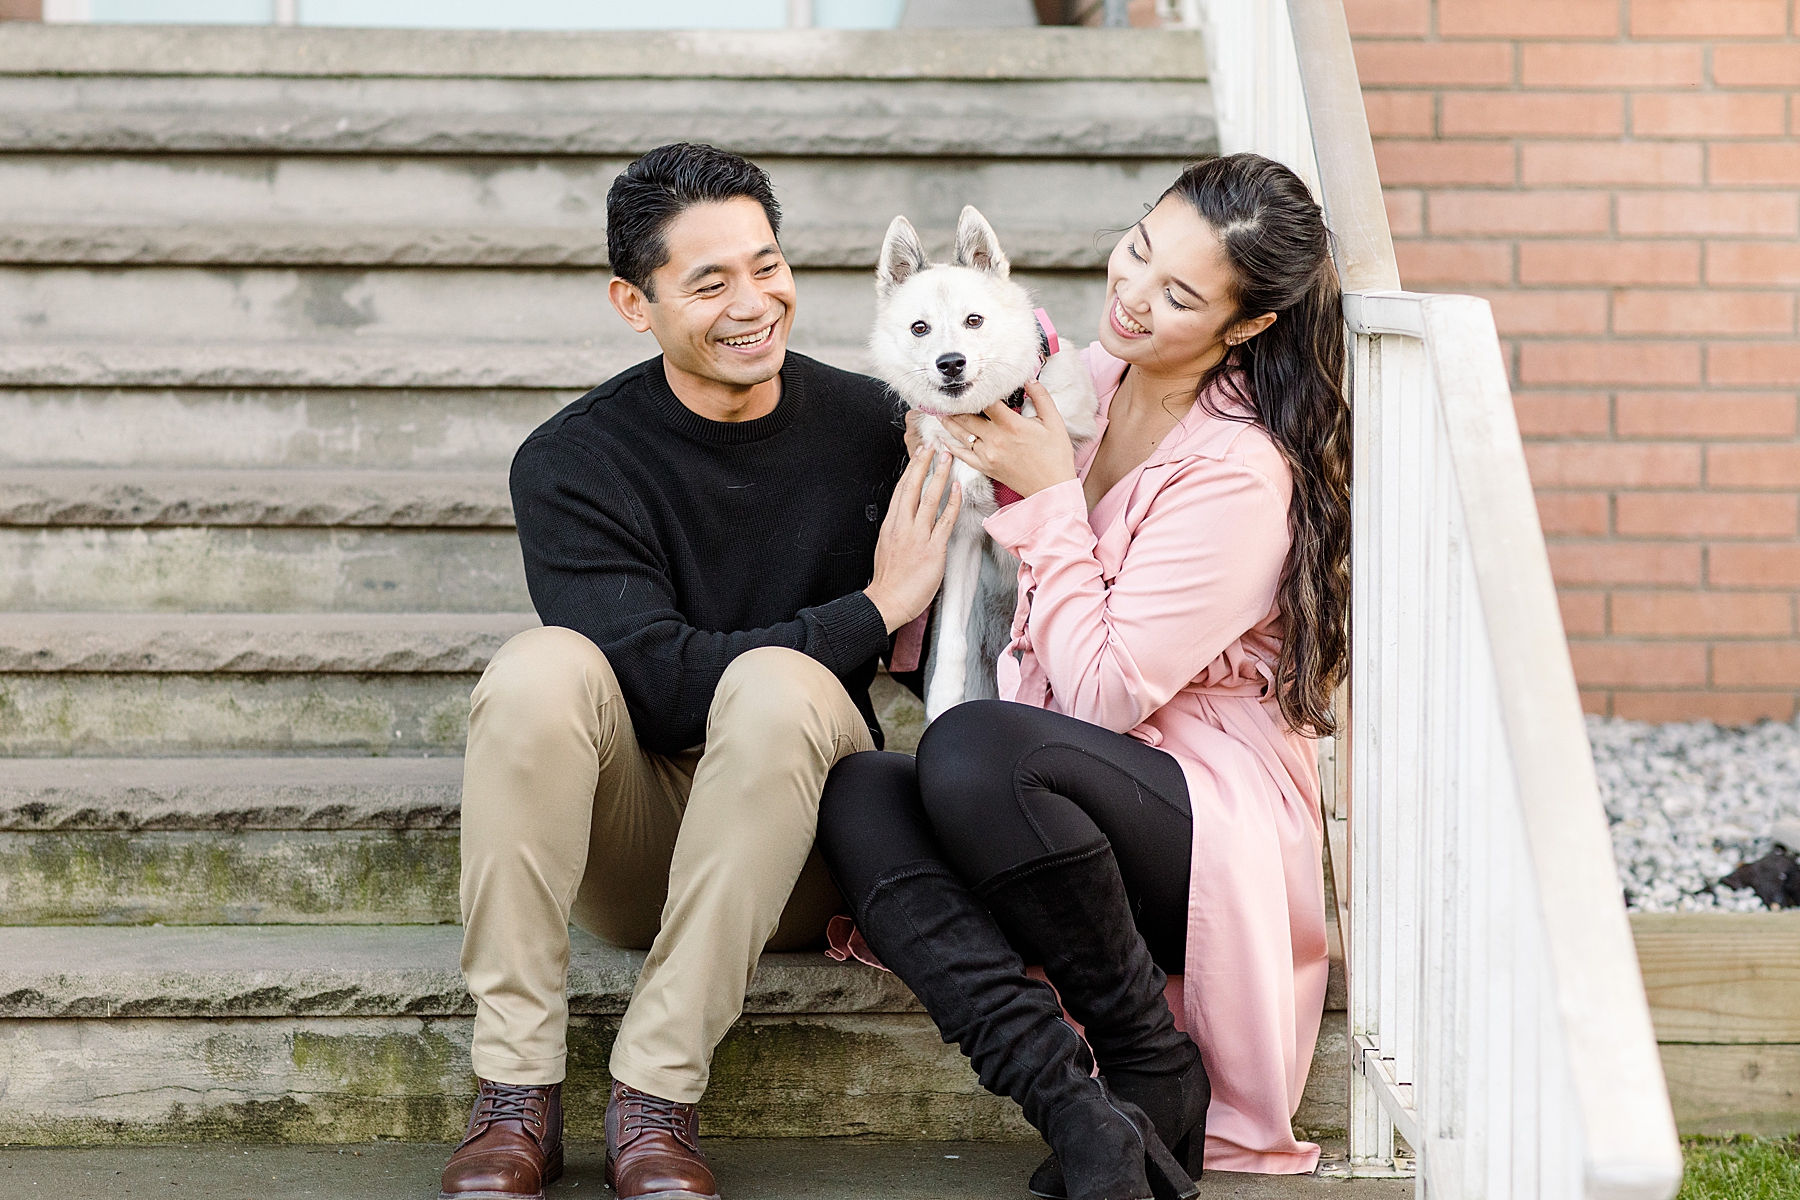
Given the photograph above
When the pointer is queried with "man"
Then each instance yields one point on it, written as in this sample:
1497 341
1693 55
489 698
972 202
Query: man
704 540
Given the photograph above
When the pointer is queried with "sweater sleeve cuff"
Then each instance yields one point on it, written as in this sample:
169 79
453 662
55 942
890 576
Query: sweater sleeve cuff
1013 525
852 630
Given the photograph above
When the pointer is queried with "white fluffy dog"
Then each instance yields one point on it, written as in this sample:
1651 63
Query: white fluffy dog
958 338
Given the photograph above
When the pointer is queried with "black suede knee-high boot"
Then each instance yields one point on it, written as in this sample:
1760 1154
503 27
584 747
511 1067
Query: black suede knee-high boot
933 933
1072 911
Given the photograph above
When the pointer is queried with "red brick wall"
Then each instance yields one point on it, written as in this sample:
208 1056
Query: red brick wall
1621 179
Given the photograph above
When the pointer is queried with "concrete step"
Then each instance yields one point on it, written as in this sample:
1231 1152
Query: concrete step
259 643
178 684
282 569
345 1034
229 841
197 210
415 366
183 683
212 428
229 795
994 94
139 497
465 312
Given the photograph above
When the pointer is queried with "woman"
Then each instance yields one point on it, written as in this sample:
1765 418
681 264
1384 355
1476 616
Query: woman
1144 797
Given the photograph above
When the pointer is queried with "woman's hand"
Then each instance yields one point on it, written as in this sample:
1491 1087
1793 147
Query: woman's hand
1027 454
909 553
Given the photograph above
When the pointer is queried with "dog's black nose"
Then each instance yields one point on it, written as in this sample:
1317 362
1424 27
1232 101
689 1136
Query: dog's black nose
950 366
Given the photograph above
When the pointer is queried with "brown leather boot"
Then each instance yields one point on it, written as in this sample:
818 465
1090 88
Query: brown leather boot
513 1147
653 1148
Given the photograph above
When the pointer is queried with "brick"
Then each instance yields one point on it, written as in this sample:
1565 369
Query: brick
1757 664
1582 514
1703 415
1775 65
1611 66
1401 114
1552 363
1732 564
1689 213
1708 114
1613 464
1575 563
1776 466
1519 212
1456 263
1431 64
1613 263
1528 18
1583 612
1562 414
1705 514
1776 264
1754 364
1702 614
1405 212
1598 703
1723 708
1439 162
1708 19
1755 164
1637 164
1658 664
1702 312
1388 18
1547 114
1544 312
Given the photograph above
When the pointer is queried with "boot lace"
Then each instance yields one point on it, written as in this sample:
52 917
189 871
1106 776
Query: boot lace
641 1113
510 1102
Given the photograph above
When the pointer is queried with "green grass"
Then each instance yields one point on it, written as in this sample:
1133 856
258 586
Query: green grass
1741 1168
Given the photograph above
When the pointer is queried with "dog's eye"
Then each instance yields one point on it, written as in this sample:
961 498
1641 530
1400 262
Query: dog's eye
973 320
920 328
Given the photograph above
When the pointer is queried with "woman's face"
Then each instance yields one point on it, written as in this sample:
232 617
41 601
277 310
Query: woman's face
1168 293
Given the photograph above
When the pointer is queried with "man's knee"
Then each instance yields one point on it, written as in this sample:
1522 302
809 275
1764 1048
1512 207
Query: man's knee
776 693
541 681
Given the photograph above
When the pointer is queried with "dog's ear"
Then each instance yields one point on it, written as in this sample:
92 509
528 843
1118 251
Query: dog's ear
902 256
976 245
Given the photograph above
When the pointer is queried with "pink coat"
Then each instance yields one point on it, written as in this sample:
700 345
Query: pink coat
1154 616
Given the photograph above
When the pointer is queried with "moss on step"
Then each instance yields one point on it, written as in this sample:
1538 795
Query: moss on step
222 878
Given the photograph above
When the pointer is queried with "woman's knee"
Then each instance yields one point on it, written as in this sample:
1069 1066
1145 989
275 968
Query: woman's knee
967 761
869 819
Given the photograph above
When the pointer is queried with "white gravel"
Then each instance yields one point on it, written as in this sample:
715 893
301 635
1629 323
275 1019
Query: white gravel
1689 802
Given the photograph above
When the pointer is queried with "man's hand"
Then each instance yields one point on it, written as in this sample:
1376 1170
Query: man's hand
909 554
915 441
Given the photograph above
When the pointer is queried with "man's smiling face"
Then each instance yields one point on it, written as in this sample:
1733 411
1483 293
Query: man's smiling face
725 298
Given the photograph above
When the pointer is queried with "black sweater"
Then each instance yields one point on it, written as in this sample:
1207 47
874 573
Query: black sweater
676 543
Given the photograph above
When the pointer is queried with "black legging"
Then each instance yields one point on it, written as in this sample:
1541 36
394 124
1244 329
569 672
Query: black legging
997 785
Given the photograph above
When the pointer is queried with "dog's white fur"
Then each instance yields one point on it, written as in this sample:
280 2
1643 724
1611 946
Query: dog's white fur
973 619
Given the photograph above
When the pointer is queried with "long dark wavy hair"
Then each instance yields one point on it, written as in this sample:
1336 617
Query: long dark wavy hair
1279 250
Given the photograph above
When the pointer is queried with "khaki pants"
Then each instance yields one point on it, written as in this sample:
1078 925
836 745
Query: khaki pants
697 857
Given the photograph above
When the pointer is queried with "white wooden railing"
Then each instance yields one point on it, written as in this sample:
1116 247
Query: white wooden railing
1497 1015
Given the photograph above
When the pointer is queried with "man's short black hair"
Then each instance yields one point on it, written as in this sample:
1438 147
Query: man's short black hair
660 186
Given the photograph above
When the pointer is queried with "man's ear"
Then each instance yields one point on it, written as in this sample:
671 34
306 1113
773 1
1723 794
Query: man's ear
631 302
902 256
976 245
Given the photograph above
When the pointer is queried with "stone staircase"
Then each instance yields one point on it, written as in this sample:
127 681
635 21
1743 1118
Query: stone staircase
276 306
